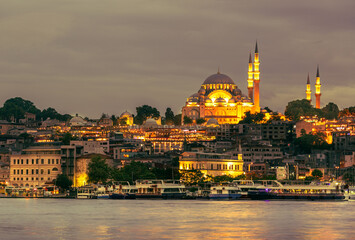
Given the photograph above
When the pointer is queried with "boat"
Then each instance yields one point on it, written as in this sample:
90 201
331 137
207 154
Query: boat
289 190
225 191
248 185
86 192
165 189
124 191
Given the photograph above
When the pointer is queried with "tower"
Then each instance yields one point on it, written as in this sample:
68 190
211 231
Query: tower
308 90
256 79
250 78
317 85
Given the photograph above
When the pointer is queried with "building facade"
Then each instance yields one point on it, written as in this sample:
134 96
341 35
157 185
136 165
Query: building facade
36 166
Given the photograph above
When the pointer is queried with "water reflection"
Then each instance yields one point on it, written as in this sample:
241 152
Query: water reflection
145 219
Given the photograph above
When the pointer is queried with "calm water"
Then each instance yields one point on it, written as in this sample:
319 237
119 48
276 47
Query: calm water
170 219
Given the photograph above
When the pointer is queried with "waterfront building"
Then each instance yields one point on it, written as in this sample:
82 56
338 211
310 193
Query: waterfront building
220 98
35 166
69 155
212 164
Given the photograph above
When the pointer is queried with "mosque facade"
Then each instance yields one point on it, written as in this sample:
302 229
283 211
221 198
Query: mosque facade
220 99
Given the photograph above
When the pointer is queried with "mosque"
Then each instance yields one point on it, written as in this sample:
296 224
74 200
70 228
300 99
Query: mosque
220 100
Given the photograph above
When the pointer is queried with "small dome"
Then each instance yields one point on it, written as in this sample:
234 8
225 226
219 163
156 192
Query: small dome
208 100
231 100
125 114
212 122
218 78
220 100
150 123
77 121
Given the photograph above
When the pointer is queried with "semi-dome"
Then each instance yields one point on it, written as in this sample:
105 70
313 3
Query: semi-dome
218 78
220 100
212 122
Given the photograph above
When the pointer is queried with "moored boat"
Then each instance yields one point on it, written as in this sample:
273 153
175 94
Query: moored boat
225 191
165 189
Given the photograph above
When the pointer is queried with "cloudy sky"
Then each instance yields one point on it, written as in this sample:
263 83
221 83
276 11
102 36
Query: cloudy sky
93 57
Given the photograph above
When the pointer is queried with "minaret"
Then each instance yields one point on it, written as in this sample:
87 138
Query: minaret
256 79
250 78
318 94
308 90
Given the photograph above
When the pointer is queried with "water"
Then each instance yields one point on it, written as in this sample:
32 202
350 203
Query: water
175 219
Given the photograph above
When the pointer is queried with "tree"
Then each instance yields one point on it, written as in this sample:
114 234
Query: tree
187 120
177 120
169 116
310 141
255 118
192 176
268 109
144 112
63 182
16 108
317 174
132 172
67 137
330 111
296 109
223 178
114 120
98 170
200 121
347 112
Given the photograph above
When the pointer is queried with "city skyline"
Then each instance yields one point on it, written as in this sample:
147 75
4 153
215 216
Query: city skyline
108 58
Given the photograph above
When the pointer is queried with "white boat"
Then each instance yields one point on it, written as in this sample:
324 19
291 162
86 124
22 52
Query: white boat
86 192
247 185
165 189
225 191
123 190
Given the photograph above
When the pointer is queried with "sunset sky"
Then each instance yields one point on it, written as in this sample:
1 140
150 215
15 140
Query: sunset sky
93 57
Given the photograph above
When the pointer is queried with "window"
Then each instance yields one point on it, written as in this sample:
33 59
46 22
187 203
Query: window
18 161
21 171
33 161
37 161
42 171
49 171
26 171
57 161
49 161
26 161
14 161
33 172
14 171
52 161
37 172
21 161
42 161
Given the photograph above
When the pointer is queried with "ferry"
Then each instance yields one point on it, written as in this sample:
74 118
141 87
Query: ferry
86 192
225 191
273 189
248 185
166 189
124 191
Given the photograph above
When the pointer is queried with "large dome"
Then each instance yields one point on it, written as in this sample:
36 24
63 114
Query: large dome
218 78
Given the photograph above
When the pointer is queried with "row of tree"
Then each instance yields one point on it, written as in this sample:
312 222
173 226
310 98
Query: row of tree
14 109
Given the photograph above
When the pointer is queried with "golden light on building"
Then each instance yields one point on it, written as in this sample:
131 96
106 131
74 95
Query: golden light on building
81 180
318 85
308 90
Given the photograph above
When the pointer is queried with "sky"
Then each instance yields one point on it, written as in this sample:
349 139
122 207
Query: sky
92 57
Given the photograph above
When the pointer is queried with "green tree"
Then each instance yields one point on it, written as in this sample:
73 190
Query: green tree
317 174
200 121
347 112
187 120
330 111
250 118
67 137
192 176
296 109
144 112
169 116
310 141
122 121
63 182
114 120
132 172
223 178
98 170
16 108
177 120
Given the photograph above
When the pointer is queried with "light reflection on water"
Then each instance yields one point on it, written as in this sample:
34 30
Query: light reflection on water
160 219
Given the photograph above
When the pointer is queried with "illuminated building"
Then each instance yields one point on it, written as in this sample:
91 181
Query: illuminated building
318 85
211 164
220 98
128 117
308 90
36 166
